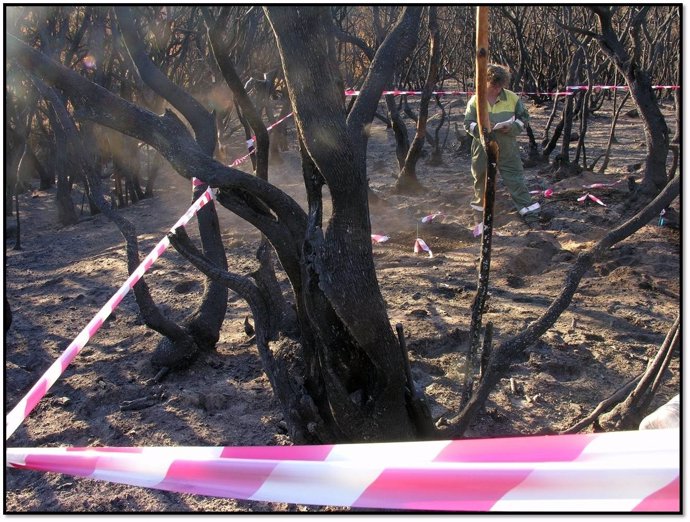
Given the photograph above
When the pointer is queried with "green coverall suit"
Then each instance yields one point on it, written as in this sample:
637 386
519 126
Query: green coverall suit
508 104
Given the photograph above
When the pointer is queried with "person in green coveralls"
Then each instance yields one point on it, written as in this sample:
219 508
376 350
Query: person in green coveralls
508 117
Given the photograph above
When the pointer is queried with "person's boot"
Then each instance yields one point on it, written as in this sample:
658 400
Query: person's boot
530 214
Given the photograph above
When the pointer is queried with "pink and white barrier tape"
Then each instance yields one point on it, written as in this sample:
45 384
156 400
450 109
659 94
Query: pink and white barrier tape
598 88
569 91
619 471
397 92
31 399
252 141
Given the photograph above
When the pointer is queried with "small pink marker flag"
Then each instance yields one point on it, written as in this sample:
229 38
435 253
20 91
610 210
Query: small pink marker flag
593 198
596 200
602 185
421 246
547 193
438 216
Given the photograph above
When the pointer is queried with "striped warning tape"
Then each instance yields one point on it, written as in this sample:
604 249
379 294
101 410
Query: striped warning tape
251 141
25 406
620 471
569 91
396 92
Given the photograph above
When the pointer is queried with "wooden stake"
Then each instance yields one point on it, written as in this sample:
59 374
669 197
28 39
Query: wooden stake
481 61
491 149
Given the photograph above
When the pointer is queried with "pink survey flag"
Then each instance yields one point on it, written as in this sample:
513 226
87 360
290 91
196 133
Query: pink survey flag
421 246
438 216
602 185
547 193
593 198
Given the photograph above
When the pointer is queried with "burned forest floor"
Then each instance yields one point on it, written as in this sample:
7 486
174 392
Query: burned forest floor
63 275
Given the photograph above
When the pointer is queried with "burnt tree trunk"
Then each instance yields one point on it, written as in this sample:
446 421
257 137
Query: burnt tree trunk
612 132
67 213
204 323
350 350
629 413
584 110
640 84
46 179
491 149
551 143
250 118
18 230
407 180
77 158
533 155
437 148
562 160
549 122
16 144
402 140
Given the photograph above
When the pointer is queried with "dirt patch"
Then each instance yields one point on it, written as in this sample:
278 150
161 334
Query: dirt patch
63 275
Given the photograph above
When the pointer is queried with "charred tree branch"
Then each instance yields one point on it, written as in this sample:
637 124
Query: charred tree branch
630 412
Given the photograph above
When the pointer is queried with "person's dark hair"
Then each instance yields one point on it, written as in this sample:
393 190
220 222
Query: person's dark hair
498 75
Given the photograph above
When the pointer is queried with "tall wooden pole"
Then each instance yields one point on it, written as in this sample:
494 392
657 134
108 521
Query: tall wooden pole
491 149
481 61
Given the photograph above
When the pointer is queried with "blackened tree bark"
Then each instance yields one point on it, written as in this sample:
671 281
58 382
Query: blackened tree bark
355 355
584 108
402 140
221 53
437 147
67 214
518 18
265 277
407 180
640 85
612 133
562 161
628 414
204 323
17 121
46 179
395 121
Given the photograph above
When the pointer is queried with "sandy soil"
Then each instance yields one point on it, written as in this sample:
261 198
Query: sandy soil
63 275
